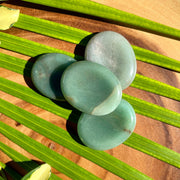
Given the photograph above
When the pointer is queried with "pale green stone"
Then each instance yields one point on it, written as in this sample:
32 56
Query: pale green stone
46 74
108 131
91 88
112 50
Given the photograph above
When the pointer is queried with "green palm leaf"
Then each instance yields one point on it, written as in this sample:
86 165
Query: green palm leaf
27 47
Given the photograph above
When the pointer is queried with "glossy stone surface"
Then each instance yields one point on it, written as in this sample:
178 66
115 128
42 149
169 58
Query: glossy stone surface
46 74
91 88
109 131
112 50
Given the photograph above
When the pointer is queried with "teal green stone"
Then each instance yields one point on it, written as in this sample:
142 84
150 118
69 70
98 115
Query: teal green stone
91 88
112 50
46 74
108 131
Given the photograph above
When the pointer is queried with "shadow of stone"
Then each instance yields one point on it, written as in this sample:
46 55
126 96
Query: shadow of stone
64 104
27 73
71 125
80 48
55 80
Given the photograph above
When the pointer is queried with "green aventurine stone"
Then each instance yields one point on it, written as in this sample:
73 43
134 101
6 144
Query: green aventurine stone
109 131
46 74
112 50
91 88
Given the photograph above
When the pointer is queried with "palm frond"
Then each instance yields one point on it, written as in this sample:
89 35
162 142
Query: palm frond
57 134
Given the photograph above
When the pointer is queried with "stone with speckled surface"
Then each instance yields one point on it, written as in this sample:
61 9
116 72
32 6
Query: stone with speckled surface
112 50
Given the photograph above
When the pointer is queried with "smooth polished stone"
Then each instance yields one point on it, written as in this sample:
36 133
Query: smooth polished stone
46 74
109 131
91 88
112 50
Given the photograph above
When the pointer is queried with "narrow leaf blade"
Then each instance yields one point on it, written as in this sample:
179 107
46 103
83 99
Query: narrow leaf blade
157 87
109 13
154 149
51 29
153 111
27 47
156 59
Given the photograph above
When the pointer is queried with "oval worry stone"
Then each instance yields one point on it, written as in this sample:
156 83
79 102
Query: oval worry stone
46 74
109 131
112 50
91 88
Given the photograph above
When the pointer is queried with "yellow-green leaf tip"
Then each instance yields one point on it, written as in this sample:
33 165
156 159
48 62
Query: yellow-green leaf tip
42 172
8 17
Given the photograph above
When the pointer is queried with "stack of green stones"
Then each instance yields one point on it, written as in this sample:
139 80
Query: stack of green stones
94 87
